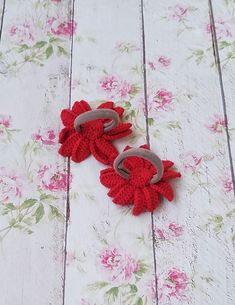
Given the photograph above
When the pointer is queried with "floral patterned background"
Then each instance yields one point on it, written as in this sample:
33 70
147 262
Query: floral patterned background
54 52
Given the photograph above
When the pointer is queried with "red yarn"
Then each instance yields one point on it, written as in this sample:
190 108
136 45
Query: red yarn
137 189
91 139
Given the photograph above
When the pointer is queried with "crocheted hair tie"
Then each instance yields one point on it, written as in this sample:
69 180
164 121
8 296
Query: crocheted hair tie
98 114
90 131
140 152
139 178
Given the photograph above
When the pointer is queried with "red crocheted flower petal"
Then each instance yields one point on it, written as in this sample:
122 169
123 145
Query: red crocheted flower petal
115 189
67 147
165 189
109 178
107 105
170 175
80 107
67 117
65 133
145 146
122 130
133 162
139 205
81 150
167 164
125 196
103 151
151 199
119 111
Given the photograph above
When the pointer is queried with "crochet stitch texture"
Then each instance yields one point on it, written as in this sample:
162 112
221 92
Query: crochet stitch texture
137 190
92 139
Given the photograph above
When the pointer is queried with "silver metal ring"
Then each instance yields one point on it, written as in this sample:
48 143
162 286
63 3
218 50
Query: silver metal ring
139 152
95 115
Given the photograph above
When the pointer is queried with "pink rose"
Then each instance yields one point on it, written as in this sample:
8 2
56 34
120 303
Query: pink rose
176 282
128 266
191 161
110 258
120 264
22 33
52 178
164 61
178 12
228 185
174 286
66 28
10 186
222 29
115 87
152 65
176 229
159 234
45 136
162 99
217 125
5 121
161 62
109 83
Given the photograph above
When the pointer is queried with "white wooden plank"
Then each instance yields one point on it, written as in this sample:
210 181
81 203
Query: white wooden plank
223 11
108 44
194 235
34 89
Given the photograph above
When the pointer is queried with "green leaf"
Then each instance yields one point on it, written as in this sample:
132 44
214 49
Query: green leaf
150 121
55 213
55 39
218 219
231 213
49 51
28 221
40 44
28 203
143 268
139 302
23 47
10 206
98 285
62 51
12 222
111 295
47 197
223 44
133 288
39 213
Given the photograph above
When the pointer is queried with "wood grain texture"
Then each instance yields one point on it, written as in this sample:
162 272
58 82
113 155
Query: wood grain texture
99 232
185 130
62 239
223 13
34 88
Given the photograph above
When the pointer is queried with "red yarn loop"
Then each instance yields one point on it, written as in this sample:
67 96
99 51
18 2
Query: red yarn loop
139 152
138 189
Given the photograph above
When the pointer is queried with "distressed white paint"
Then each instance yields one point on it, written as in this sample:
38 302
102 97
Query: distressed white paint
108 41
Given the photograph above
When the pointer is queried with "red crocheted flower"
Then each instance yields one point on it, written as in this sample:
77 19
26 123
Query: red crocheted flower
91 139
137 189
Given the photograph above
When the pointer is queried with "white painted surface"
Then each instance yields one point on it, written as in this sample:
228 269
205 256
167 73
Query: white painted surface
110 258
